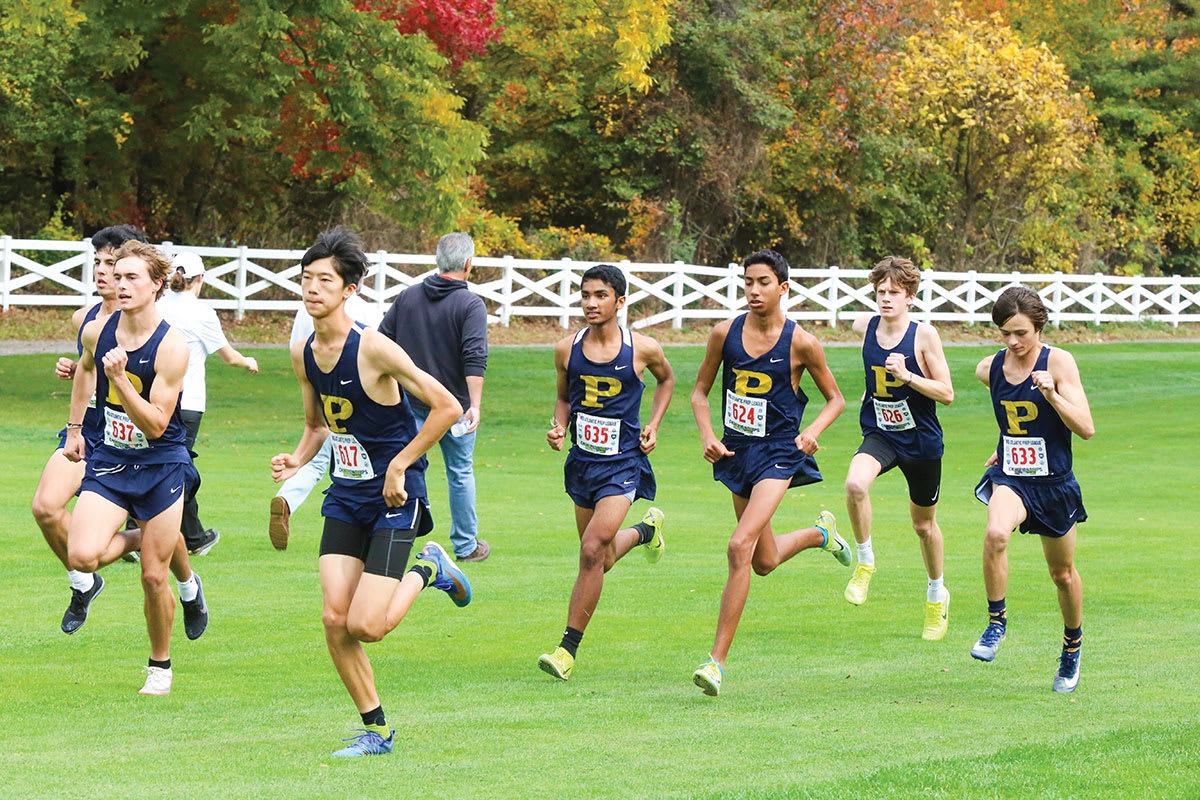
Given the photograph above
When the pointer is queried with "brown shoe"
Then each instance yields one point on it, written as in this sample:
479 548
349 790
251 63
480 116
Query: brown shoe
480 553
278 529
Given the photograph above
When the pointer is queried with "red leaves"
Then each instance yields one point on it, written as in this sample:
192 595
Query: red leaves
459 29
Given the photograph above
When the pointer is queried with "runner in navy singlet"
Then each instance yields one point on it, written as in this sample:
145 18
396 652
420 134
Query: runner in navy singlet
134 364
764 451
599 401
1039 402
906 377
61 477
355 383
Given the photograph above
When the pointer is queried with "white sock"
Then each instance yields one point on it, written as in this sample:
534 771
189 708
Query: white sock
83 581
866 553
188 589
934 593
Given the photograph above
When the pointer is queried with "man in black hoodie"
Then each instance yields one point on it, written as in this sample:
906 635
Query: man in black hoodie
443 328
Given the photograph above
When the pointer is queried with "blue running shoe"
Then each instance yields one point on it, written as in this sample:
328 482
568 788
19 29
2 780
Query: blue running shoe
447 577
1068 671
367 743
985 649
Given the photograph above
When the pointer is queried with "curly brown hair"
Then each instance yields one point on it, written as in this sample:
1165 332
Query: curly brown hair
902 271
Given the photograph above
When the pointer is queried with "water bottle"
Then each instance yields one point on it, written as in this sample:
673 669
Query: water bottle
461 427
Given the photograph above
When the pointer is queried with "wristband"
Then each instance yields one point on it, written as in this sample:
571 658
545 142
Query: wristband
74 425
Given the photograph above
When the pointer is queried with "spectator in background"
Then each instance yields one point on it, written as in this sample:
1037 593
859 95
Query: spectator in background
197 321
443 328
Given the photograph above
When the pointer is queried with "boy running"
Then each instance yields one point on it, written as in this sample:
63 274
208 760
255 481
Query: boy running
907 376
1038 400
763 452
599 398
133 364
355 385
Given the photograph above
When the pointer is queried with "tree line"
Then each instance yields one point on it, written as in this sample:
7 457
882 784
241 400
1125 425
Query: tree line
981 134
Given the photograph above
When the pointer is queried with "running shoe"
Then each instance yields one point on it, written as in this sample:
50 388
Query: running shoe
279 527
654 548
77 611
985 649
1068 671
937 618
827 524
558 663
367 743
447 577
860 581
195 612
158 681
708 677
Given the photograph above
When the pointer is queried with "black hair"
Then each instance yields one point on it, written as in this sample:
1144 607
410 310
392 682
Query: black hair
114 236
345 248
773 259
608 274
1020 300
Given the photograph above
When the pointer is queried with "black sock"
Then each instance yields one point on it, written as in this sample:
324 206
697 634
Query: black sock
645 532
571 639
1072 638
997 612
161 664
425 570
374 717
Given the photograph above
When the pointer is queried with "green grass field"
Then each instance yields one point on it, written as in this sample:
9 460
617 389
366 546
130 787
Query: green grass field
821 699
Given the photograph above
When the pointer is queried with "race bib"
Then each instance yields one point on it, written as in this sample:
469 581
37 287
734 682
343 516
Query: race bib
893 416
599 435
746 415
121 433
1025 455
350 459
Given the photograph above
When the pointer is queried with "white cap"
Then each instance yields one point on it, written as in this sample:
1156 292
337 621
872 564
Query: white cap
190 264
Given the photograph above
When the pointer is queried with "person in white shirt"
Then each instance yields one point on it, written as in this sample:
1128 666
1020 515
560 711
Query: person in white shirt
197 321
296 489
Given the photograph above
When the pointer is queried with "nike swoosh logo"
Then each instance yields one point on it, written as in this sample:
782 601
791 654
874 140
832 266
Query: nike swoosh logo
391 514
617 369
176 489
625 483
780 466
144 361
346 383
776 360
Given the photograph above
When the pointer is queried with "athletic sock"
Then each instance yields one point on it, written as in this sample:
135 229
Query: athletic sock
571 639
1072 639
81 581
866 553
374 717
425 570
161 664
997 612
934 593
645 532
188 589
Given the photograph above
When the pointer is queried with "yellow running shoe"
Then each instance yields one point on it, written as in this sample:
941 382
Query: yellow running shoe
833 543
937 618
654 548
708 677
558 663
860 581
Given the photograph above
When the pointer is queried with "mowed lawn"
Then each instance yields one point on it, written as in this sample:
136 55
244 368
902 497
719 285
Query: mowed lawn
821 699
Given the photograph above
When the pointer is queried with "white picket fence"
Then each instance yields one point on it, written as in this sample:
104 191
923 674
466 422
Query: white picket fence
245 279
